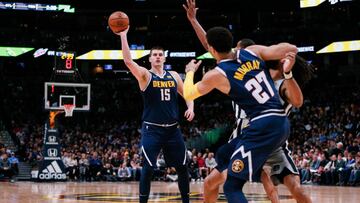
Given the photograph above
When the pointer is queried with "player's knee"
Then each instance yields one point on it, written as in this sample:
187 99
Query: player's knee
207 183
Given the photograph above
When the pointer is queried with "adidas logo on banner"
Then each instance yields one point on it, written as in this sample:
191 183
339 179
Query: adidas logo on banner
52 171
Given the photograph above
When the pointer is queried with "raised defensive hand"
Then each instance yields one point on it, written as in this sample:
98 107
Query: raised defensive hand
190 9
288 61
192 66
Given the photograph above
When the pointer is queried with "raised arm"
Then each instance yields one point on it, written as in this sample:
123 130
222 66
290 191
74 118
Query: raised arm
191 9
290 89
273 52
141 74
189 113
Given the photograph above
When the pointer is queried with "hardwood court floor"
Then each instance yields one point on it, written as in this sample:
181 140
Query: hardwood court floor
65 192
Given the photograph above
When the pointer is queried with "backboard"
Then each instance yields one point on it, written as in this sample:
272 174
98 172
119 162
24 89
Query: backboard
58 94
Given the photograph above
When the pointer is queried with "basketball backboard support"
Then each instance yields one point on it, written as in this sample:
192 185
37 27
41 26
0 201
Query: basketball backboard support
58 94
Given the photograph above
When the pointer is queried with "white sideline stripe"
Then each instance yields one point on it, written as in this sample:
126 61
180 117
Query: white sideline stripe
147 158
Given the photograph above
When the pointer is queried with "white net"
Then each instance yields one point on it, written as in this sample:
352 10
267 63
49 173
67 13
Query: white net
69 109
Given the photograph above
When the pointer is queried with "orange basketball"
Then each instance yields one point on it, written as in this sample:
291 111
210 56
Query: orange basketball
118 21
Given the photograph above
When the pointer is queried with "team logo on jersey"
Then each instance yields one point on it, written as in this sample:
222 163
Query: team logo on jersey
237 166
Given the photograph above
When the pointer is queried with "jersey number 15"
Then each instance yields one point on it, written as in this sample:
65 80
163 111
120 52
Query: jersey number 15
254 86
165 94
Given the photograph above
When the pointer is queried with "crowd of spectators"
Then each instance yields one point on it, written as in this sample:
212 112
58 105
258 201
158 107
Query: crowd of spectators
104 143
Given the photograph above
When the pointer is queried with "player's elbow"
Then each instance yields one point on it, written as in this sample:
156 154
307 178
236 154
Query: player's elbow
298 104
291 48
187 95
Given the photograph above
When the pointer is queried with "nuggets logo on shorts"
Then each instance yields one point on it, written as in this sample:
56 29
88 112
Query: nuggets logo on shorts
237 166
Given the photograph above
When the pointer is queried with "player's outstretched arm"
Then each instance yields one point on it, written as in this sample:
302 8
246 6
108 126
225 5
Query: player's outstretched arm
189 113
191 10
290 89
273 52
207 83
140 73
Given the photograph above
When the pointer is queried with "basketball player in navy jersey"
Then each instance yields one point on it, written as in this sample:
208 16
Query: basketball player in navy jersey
245 78
286 173
160 129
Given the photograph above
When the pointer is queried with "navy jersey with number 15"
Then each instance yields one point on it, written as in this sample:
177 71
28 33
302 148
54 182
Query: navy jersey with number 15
160 100
251 85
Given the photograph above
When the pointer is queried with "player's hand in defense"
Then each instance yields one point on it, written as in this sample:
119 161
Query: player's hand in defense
190 9
192 66
288 62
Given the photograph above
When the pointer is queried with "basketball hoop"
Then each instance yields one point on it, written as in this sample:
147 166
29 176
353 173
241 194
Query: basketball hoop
69 108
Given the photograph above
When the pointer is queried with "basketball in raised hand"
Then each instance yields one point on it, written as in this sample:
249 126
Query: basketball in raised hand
118 21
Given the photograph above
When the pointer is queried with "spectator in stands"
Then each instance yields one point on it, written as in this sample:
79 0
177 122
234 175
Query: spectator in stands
84 167
210 162
194 169
14 161
124 173
135 166
202 168
116 160
171 174
95 165
354 147
5 167
73 167
344 174
320 174
355 172
107 173
330 171
160 170
314 166
338 149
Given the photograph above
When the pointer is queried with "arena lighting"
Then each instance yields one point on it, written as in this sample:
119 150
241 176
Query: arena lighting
36 7
14 51
313 3
342 46
112 54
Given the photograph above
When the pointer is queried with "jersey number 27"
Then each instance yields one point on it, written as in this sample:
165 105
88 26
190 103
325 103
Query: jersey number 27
254 86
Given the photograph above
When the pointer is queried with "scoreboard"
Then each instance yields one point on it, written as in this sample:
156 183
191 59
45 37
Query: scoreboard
65 62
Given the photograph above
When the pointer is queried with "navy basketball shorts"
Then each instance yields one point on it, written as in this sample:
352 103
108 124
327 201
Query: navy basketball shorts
258 141
224 153
169 139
